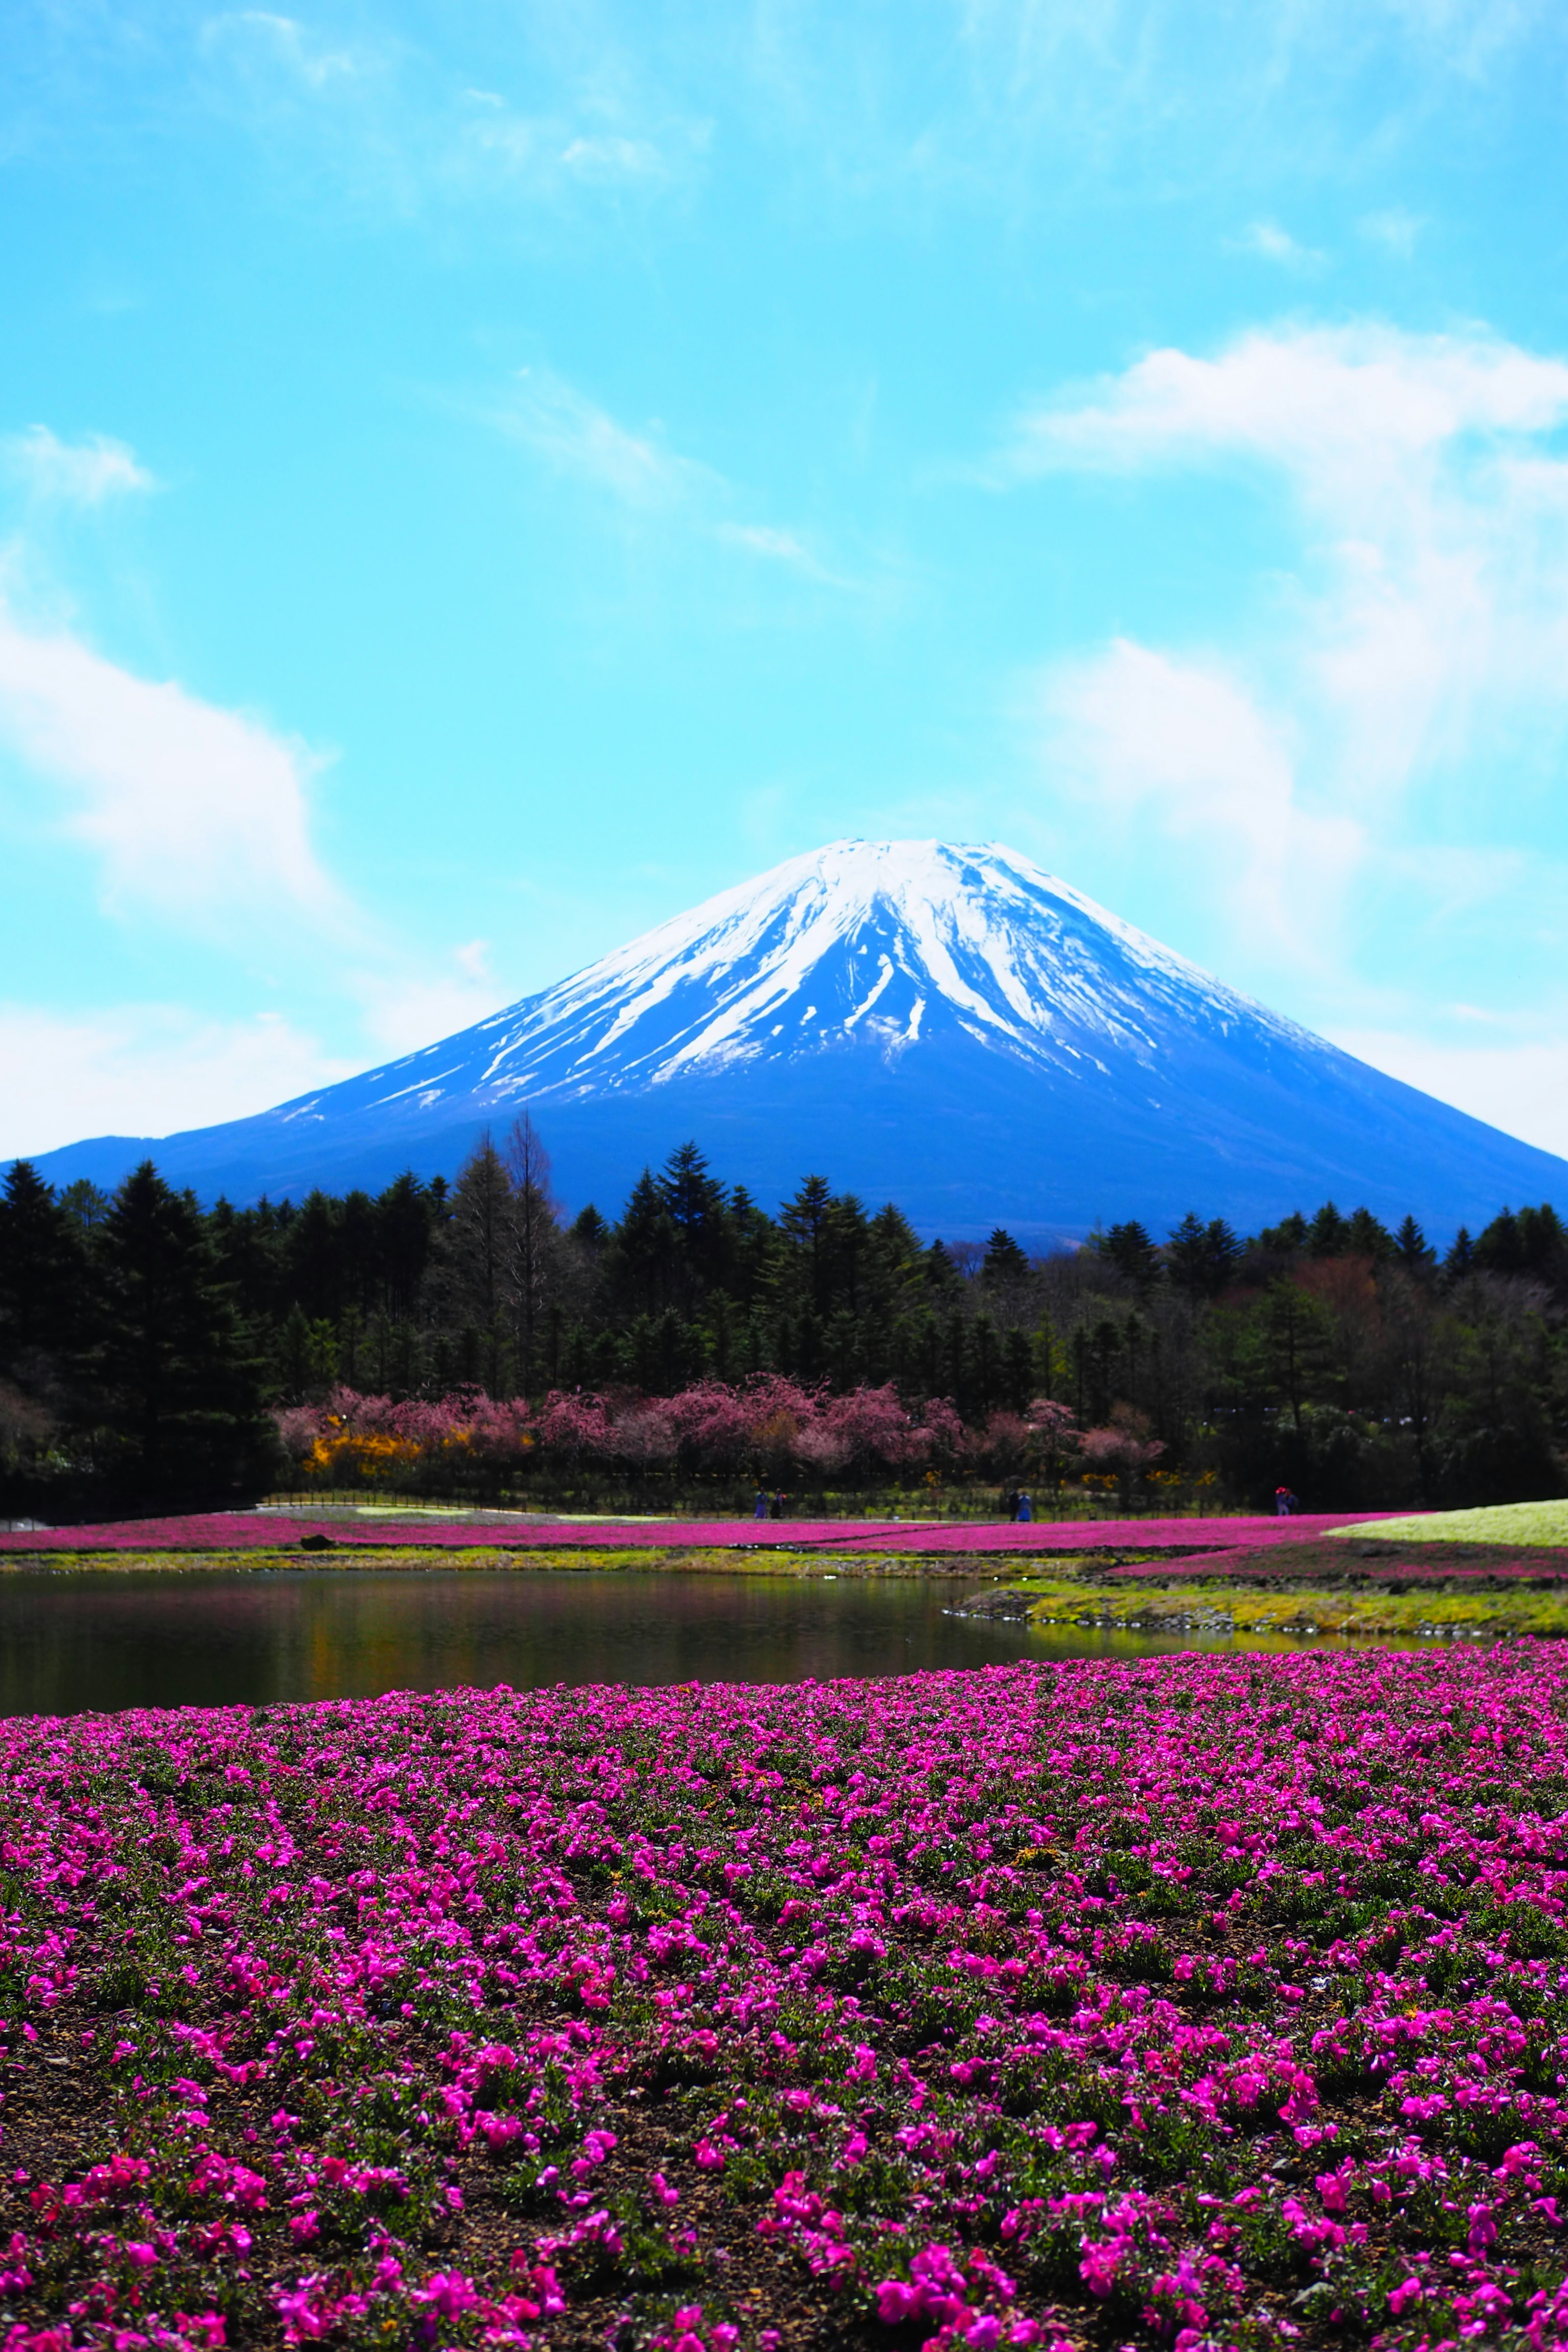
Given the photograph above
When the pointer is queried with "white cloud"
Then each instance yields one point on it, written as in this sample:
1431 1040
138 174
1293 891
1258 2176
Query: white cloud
76 473
1269 242
1426 617
1518 1085
143 1069
613 157
576 437
195 812
1395 230
1347 412
408 1005
1147 737
261 38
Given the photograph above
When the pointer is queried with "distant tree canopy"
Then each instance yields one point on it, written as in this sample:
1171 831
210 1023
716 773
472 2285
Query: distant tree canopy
142 1337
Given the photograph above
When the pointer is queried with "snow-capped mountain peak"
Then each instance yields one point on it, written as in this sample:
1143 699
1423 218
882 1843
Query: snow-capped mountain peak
872 944
940 1024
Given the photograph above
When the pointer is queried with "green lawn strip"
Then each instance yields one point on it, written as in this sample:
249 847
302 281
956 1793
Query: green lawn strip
971 1567
1205 1605
575 1559
1499 1523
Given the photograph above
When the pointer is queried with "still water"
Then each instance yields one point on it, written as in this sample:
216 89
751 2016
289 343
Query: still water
74 1644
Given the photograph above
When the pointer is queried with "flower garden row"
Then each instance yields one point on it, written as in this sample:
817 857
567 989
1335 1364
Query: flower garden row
238 1531
1338 1563
1191 2002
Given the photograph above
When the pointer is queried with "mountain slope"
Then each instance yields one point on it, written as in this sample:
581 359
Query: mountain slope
947 1026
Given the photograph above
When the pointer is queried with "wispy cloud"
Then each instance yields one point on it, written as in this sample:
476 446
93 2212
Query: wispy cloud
1269 242
198 820
1425 619
637 470
1152 737
1395 230
576 437
1515 1081
144 1069
1335 407
74 473
394 128
197 812
259 38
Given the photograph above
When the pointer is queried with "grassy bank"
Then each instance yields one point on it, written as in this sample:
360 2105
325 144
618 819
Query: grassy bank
1317 1588
1208 1606
1499 1523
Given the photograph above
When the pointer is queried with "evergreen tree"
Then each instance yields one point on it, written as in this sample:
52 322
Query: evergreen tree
1200 1259
43 1271
1366 1237
407 1216
694 1202
1460 1259
1129 1249
590 1231
1003 1262
1287 1239
1328 1235
644 1251
804 1222
178 1384
941 1269
1411 1248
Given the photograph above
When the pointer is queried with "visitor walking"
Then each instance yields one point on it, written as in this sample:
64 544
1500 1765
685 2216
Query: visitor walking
1284 1503
1012 1503
1026 1510
760 1511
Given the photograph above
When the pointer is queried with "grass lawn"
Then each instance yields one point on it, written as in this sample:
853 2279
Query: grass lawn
1211 1605
1499 1523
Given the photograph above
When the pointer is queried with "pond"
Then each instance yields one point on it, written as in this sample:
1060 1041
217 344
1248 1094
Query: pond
76 1642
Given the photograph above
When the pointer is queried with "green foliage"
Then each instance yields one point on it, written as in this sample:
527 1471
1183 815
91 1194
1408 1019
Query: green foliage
137 1337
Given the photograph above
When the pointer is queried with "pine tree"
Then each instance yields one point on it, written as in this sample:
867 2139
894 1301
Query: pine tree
1003 1261
178 1384
1412 1249
1129 1249
43 1272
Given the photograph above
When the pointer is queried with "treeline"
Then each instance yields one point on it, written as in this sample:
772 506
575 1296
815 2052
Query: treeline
147 1347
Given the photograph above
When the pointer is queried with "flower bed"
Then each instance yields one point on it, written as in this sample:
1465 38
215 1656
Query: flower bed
1184 2002
274 1530
1333 1562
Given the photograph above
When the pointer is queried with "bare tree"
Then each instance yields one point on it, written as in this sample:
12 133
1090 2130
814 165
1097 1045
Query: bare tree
477 1254
534 1232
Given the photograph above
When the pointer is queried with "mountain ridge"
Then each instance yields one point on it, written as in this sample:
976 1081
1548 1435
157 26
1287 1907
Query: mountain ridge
1012 1052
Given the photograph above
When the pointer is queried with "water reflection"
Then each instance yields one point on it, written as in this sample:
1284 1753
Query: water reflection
80 1642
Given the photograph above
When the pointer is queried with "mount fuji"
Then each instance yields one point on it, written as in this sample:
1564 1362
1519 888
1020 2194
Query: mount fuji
945 1026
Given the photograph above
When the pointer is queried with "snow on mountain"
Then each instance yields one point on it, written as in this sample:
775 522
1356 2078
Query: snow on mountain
946 1026
875 944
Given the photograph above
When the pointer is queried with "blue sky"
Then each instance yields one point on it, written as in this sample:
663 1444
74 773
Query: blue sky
476 479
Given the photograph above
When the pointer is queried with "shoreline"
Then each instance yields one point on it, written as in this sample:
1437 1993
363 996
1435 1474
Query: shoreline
1120 1590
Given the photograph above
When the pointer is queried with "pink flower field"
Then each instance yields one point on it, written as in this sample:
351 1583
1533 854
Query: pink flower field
277 1530
1186 2003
